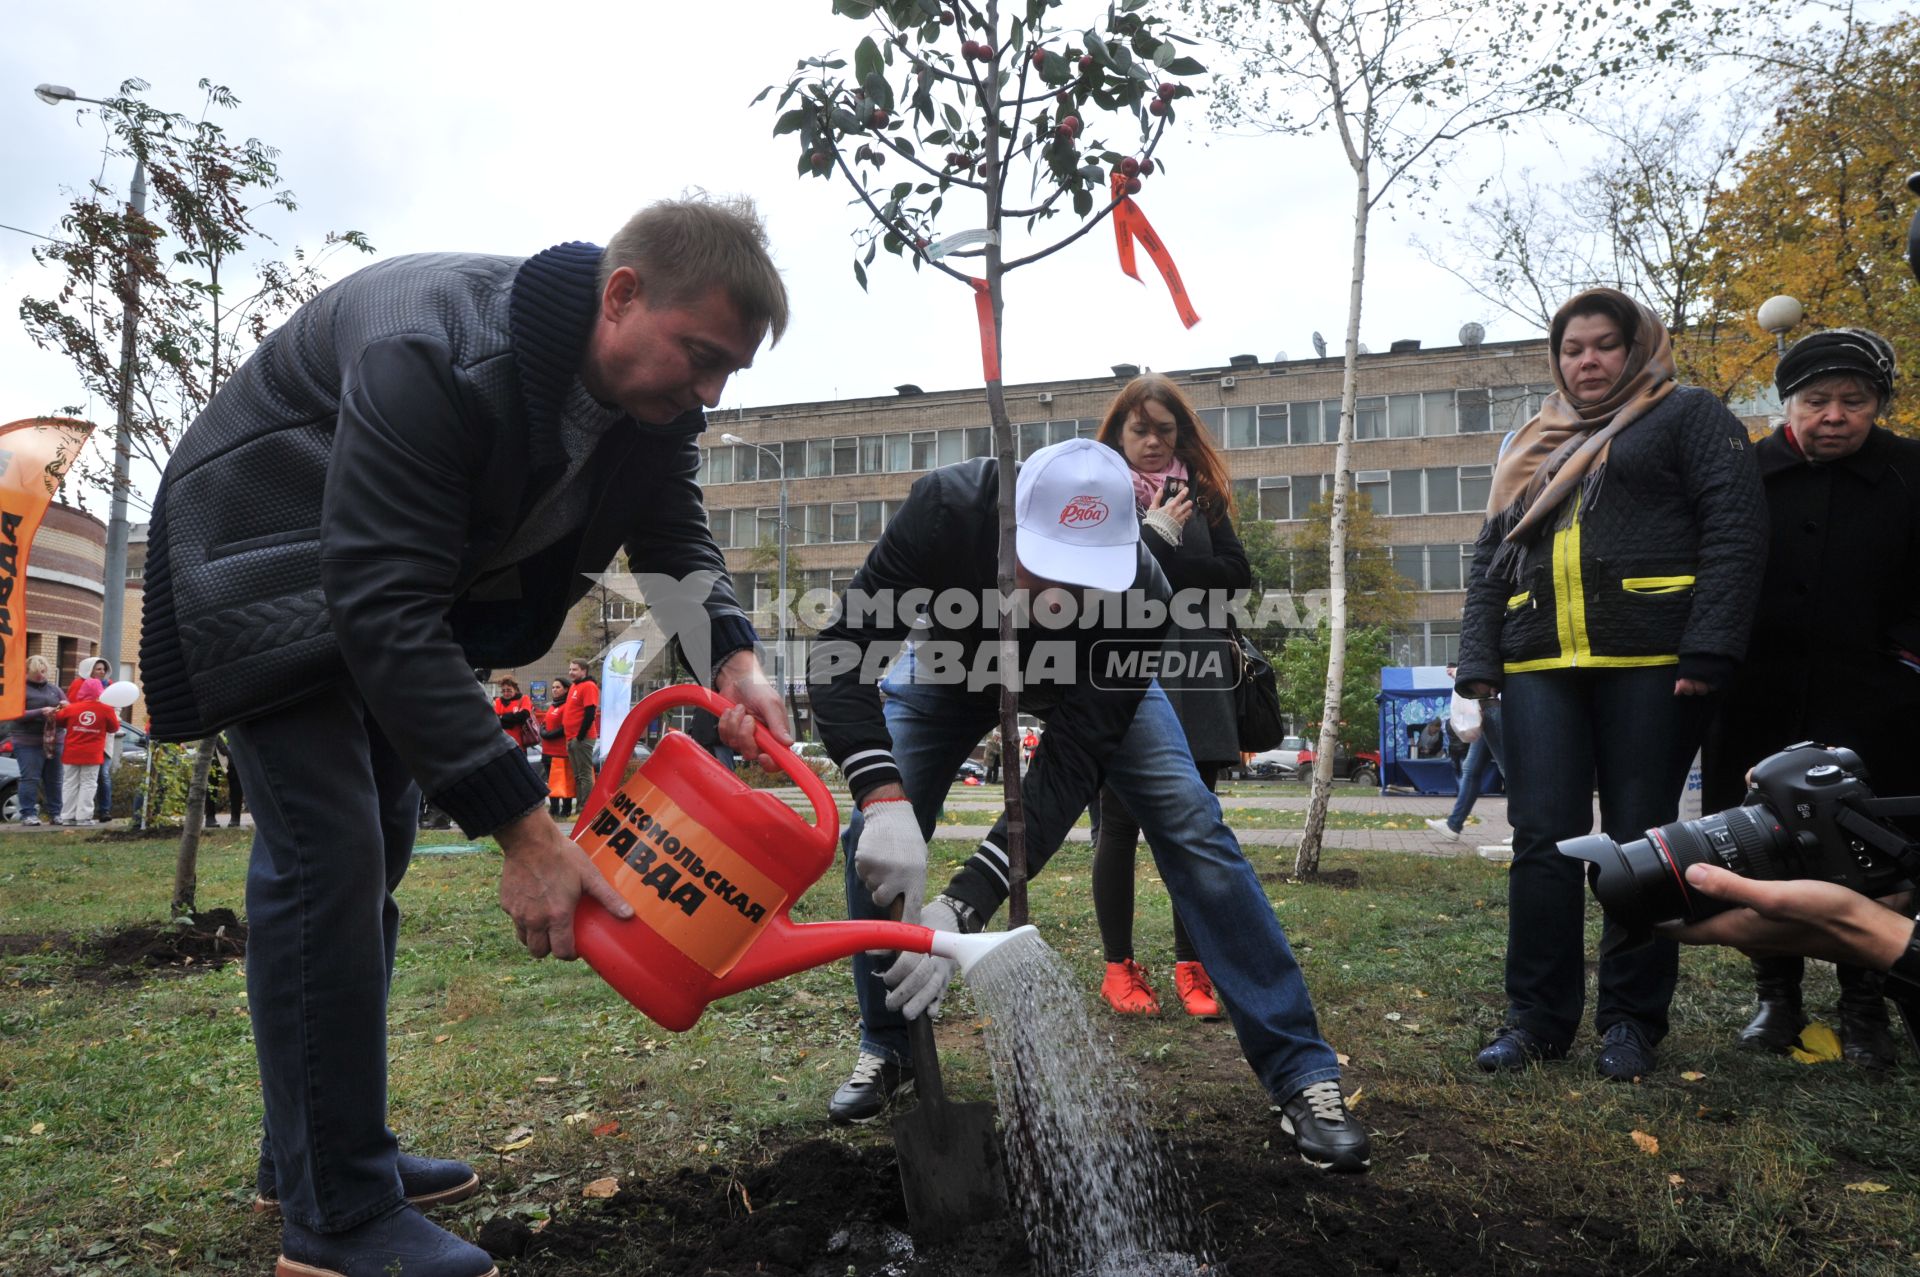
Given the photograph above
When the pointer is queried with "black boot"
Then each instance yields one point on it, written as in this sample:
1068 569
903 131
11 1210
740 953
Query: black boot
1865 1037
1776 1027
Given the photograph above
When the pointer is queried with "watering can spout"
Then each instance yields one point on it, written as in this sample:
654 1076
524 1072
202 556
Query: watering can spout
787 948
967 950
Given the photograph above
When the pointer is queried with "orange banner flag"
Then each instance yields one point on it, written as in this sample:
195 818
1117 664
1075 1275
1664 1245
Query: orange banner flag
1130 224
34 456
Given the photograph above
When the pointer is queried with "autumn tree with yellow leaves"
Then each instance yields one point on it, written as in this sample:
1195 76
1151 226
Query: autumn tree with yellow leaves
1819 209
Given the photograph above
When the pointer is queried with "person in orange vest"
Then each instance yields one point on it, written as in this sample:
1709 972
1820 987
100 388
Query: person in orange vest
581 718
553 752
88 725
103 787
514 709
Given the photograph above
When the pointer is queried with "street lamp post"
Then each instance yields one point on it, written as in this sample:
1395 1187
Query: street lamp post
1777 315
780 594
114 599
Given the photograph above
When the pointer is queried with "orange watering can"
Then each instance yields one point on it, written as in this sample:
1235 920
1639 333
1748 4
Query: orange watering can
711 867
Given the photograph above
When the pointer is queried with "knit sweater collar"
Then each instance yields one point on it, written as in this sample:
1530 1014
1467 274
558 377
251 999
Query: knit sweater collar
550 317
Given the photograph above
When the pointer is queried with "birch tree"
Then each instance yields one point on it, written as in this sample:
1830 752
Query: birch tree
1399 84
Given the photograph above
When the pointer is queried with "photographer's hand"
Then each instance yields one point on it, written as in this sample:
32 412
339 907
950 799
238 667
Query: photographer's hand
1807 917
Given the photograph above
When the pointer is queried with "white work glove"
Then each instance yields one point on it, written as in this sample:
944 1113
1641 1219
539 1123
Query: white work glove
917 981
891 857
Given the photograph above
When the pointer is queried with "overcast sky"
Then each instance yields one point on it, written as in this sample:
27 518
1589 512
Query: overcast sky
507 128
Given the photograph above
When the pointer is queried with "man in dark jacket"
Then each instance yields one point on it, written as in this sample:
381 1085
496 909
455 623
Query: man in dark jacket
1833 653
411 478
1081 671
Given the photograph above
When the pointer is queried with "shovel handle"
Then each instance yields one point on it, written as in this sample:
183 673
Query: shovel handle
926 1052
926 1061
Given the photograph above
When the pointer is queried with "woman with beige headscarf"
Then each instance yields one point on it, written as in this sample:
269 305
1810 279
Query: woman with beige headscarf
1612 590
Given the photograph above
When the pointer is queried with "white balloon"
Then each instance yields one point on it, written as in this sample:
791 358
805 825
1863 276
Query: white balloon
120 694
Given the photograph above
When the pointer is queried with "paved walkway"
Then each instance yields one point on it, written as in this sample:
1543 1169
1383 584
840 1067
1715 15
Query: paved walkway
1488 826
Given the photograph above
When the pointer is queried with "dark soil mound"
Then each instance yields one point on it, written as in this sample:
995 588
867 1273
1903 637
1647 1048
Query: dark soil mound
204 942
822 1209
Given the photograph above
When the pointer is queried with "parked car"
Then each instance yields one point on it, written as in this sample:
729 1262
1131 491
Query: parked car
1282 762
816 756
1362 768
971 773
9 786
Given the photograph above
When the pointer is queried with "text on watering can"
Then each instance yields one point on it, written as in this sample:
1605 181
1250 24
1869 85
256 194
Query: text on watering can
699 894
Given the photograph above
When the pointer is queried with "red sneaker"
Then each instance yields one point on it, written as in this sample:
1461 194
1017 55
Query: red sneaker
1195 990
1126 989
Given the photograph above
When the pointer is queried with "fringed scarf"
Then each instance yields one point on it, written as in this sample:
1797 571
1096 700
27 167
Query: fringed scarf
1564 449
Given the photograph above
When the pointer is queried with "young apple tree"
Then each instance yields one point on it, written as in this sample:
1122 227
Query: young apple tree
979 137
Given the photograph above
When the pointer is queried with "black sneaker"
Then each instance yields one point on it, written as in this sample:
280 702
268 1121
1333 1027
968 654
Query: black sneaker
1514 1048
1625 1054
1323 1132
874 1085
427 1182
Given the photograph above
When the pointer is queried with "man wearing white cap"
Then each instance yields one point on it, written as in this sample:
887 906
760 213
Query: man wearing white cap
1105 718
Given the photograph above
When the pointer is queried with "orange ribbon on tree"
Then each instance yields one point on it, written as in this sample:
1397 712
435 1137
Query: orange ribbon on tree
1130 224
983 309
34 456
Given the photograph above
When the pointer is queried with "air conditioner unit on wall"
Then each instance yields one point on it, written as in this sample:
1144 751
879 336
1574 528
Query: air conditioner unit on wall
1045 396
1227 383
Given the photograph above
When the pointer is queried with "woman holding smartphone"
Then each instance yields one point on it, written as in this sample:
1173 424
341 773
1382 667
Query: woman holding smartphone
1184 502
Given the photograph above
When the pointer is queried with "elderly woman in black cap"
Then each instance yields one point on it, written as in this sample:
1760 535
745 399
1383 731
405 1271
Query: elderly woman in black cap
1833 652
1612 589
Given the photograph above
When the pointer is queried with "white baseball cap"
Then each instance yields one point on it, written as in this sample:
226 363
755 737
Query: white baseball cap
1073 507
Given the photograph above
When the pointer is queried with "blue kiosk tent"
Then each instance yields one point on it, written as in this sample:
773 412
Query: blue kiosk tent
1412 696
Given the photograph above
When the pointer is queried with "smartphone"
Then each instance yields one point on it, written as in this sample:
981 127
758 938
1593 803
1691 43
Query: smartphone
1172 489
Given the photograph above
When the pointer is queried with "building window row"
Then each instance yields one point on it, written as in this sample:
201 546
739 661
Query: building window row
901 453
832 523
1431 490
1433 567
1476 410
1427 643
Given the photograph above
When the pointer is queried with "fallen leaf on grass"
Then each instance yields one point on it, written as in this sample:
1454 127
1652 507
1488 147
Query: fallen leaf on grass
1866 1186
1646 1143
574 1119
518 1138
1676 1179
38 1128
606 1129
1691 1076
546 1081
438 1038
601 1188
1353 1101
1343 1057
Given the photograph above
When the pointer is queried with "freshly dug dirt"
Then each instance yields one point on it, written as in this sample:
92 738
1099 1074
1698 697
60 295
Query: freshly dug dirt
825 1209
207 942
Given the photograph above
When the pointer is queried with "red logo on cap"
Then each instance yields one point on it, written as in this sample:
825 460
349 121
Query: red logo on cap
1083 512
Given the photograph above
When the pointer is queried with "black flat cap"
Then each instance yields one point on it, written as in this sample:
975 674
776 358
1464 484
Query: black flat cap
1833 352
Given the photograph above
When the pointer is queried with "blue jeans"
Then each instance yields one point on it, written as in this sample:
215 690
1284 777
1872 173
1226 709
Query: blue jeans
1473 772
103 792
39 778
1565 731
334 811
1213 887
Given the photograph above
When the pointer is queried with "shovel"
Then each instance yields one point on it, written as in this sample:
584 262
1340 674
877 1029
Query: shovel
949 1154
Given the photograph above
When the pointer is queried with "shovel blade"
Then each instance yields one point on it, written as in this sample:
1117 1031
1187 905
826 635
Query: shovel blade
950 1170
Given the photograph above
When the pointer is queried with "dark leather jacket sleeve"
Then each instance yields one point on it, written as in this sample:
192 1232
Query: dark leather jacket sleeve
393 526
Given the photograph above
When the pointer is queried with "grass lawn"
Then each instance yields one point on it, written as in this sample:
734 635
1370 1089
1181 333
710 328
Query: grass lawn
130 1103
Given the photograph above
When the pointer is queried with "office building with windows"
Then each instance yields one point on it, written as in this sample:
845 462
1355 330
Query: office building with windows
1428 427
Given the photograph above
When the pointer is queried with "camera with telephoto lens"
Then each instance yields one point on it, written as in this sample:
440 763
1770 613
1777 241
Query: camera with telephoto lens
1809 813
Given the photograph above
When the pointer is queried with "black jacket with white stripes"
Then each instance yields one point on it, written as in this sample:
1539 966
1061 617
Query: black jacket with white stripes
945 538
